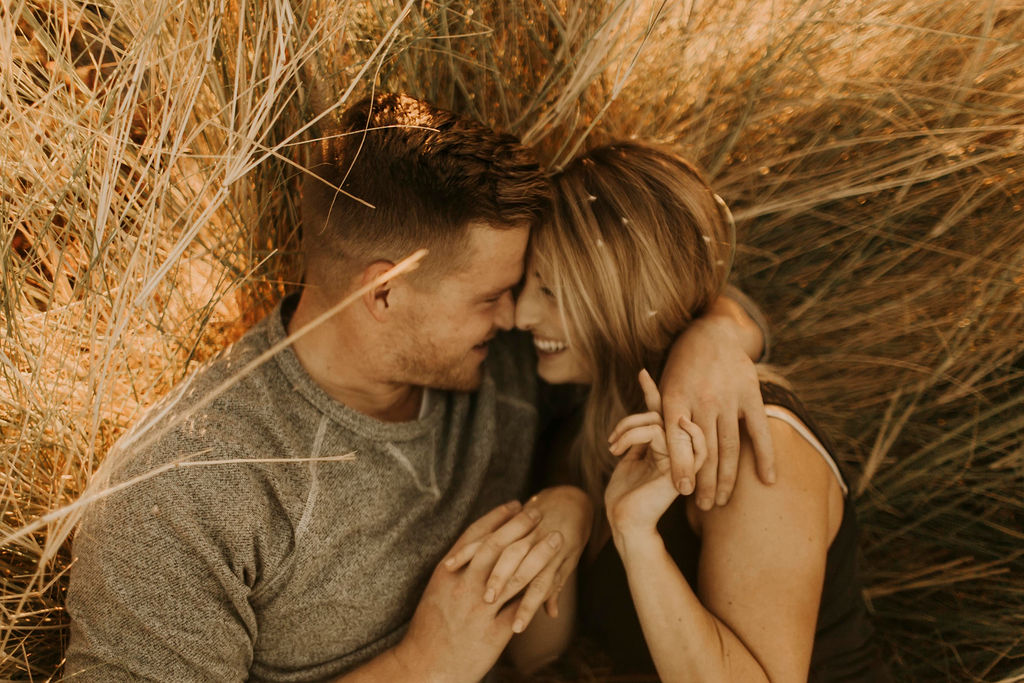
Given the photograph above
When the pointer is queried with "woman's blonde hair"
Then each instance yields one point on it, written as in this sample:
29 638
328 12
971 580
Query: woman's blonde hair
637 246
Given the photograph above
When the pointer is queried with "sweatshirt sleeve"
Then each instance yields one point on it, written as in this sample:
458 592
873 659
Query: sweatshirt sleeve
751 308
160 582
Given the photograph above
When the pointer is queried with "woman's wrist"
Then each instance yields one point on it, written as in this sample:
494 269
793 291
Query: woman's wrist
635 541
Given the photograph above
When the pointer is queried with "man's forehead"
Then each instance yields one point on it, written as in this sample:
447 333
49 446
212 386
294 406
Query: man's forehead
497 252
493 262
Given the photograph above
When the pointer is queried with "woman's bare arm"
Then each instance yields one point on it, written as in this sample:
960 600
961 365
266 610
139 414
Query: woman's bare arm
761 573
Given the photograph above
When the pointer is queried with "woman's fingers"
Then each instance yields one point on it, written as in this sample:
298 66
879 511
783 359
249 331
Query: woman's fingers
551 603
652 397
632 421
698 441
682 457
707 464
651 435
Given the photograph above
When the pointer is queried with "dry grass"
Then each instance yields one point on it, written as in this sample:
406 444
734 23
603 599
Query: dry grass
872 151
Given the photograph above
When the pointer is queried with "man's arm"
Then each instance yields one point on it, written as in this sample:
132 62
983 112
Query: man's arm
710 378
152 594
747 319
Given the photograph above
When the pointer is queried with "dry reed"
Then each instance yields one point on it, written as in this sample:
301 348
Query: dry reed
871 150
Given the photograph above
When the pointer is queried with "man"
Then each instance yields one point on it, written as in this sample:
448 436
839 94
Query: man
266 553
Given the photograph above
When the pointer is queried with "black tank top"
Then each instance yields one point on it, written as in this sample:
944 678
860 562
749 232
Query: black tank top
843 647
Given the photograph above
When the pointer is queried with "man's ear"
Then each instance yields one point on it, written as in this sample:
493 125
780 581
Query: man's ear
376 298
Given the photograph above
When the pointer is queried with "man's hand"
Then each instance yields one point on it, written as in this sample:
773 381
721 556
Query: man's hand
567 510
710 379
563 510
454 634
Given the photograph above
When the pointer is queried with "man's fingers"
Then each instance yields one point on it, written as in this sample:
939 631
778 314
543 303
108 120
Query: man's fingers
495 543
541 558
510 559
537 570
458 558
633 421
488 523
707 480
728 457
652 397
764 453
681 457
532 600
507 614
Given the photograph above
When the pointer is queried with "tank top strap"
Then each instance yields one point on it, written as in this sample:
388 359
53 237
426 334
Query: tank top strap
776 396
782 413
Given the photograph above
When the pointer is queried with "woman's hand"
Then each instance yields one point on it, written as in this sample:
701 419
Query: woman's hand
641 487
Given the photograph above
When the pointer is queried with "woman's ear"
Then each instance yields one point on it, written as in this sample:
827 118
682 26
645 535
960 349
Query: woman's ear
376 298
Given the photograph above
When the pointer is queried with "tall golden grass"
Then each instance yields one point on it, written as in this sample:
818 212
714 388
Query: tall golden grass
872 151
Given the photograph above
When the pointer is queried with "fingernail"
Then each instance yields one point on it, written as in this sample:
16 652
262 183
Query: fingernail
704 503
489 595
450 562
513 505
722 499
533 513
685 486
517 627
771 475
555 539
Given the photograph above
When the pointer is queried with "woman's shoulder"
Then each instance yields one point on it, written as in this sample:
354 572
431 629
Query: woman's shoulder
807 481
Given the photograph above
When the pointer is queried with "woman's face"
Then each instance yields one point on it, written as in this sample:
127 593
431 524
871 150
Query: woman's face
537 313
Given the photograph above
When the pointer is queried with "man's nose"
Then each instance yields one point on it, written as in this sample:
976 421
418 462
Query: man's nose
505 318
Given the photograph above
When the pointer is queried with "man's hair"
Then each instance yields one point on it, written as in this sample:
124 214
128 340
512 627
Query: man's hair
411 175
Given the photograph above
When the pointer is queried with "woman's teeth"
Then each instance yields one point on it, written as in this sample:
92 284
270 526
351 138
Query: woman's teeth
549 345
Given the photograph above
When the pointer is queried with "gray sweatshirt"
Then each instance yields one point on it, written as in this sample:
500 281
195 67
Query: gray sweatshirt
285 571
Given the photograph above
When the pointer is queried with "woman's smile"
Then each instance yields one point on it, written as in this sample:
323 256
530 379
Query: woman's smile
549 346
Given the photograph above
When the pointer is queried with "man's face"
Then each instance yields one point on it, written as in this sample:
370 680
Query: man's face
442 341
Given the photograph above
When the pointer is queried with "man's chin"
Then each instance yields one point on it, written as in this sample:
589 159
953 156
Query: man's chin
467 383
465 380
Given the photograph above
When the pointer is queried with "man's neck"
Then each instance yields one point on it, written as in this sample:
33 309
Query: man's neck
336 361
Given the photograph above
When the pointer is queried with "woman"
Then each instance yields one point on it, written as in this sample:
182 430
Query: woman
764 588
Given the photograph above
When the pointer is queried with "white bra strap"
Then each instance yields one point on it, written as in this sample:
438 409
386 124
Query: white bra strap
780 413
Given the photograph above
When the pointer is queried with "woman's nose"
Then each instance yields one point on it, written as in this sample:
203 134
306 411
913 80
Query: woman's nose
526 308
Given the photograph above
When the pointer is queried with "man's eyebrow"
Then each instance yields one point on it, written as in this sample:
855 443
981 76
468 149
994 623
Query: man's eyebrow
501 290
496 292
